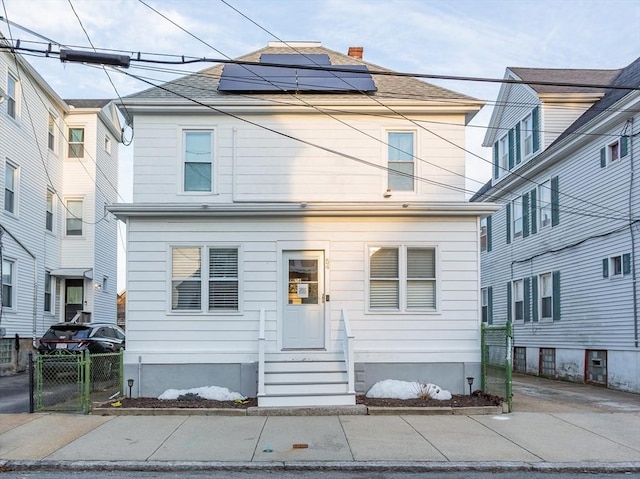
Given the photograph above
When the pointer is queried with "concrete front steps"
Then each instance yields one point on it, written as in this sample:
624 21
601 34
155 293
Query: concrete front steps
299 382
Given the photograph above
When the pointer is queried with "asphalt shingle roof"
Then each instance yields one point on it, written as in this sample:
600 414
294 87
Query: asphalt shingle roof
203 85
81 103
577 76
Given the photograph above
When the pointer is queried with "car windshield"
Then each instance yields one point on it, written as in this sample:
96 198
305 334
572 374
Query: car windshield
67 333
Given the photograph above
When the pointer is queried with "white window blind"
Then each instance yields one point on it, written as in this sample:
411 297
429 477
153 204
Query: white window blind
421 278
223 279
186 279
384 284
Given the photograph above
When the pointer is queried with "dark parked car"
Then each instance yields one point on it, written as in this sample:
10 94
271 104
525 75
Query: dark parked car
75 338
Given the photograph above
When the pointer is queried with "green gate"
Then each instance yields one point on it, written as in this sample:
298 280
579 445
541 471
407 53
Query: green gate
71 382
497 362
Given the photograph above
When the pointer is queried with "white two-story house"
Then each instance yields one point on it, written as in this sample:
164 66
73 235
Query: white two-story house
560 259
58 242
298 234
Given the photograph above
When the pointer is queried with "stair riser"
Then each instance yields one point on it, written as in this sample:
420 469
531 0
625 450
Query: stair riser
303 366
279 401
278 389
305 377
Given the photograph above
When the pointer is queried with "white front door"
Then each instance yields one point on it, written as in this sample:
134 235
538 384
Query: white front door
303 321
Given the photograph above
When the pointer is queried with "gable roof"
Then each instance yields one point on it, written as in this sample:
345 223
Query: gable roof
203 85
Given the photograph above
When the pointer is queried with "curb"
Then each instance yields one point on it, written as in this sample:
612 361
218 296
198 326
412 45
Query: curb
371 466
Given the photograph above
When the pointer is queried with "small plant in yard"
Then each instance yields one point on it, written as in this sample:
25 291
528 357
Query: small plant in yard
190 397
424 390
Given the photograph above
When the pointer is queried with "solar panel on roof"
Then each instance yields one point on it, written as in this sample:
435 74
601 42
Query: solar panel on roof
296 59
273 79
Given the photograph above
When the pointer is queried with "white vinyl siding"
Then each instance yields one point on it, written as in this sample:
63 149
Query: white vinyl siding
402 278
401 161
198 161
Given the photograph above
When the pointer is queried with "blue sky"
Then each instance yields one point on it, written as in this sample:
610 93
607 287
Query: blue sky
450 37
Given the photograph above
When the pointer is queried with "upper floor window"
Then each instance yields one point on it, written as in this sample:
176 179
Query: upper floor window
49 213
544 195
12 96
518 300
402 278
527 135
74 217
8 282
517 217
400 161
483 234
614 151
10 187
51 134
616 266
76 143
198 160
504 154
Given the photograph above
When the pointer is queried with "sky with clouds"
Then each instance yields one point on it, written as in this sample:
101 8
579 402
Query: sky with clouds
473 38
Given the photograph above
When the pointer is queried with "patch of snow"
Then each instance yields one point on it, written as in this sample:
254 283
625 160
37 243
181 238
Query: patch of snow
207 392
394 389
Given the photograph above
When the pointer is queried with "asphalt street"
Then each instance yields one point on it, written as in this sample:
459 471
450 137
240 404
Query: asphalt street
14 393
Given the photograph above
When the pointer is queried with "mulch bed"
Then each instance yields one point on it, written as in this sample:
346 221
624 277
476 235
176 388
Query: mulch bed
475 400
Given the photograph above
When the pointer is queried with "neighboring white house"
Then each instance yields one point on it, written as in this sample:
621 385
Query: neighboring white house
58 243
560 258
298 235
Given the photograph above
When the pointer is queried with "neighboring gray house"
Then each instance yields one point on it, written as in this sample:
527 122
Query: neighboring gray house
560 259
58 170
300 238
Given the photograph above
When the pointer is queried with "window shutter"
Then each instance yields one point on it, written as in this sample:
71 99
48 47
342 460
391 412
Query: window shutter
534 211
496 161
535 118
605 268
488 233
624 146
508 223
517 145
603 157
626 263
555 201
556 295
490 304
527 300
511 148
525 215
534 297
509 301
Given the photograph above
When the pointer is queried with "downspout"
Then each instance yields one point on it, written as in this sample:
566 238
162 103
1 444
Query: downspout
234 155
632 225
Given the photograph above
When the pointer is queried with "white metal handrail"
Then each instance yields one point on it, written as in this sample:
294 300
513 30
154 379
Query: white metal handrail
347 347
261 346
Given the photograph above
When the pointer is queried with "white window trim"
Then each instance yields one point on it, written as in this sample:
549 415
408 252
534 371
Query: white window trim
543 186
69 143
416 164
54 200
53 134
610 145
526 132
612 258
66 212
16 189
182 131
483 224
16 97
402 276
484 303
514 233
541 318
514 300
14 288
52 284
204 280
503 154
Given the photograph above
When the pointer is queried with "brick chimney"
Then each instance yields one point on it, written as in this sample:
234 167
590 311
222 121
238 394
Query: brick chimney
356 52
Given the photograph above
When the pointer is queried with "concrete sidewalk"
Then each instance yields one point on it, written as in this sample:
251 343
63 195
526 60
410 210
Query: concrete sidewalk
606 442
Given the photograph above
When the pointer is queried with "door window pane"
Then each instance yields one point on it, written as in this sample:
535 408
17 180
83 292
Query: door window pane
303 281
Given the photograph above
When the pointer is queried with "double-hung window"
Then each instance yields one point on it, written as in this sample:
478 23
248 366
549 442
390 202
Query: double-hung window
400 161
48 292
8 281
74 217
76 143
49 212
526 131
10 186
198 160
518 300
503 154
221 284
12 96
485 304
402 278
51 133
544 201
517 217
546 296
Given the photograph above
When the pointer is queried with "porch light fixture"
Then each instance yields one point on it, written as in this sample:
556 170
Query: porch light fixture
470 383
387 194
130 384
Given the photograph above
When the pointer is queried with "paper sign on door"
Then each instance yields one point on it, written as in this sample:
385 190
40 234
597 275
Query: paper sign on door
303 290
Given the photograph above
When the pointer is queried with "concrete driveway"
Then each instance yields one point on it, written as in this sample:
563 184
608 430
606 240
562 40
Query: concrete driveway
535 394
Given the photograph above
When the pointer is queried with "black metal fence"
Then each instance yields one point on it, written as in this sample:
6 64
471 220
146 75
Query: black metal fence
66 382
497 363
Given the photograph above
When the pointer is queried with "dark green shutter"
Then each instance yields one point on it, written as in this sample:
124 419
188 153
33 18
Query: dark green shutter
496 161
488 233
556 295
525 215
624 146
511 145
603 157
508 223
490 304
626 263
518 155
605 268
534 297
534 211
508 301
555 201
527 300
535 119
